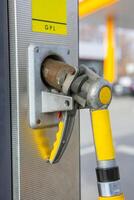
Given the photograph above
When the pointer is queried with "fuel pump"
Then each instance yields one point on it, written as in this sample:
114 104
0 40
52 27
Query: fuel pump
41 90
74 89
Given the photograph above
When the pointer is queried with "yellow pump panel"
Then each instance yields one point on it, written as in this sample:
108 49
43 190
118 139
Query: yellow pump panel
49 16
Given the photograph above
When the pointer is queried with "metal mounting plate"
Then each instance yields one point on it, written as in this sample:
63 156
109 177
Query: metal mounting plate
40 114
52 102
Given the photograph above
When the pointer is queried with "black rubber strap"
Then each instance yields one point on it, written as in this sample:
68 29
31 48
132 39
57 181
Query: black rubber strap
108 175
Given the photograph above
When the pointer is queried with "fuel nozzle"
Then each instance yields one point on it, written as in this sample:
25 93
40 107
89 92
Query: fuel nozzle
87 88
90 90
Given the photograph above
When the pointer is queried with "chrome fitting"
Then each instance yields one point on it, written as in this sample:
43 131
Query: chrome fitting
109 189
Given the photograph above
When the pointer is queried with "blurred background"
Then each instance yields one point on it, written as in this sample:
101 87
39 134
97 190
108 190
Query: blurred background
97 36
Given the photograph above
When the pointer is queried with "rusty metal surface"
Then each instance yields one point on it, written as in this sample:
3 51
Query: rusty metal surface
54 72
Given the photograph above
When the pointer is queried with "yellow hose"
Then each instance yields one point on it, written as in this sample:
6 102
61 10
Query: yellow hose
102 135
121 197
47 152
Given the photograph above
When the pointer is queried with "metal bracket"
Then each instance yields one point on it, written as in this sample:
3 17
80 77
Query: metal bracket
55 102
43 104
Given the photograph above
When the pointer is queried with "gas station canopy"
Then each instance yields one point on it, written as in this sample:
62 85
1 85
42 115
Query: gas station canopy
122 10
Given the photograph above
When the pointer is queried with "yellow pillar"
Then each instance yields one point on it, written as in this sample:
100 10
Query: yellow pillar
109 61
87 7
